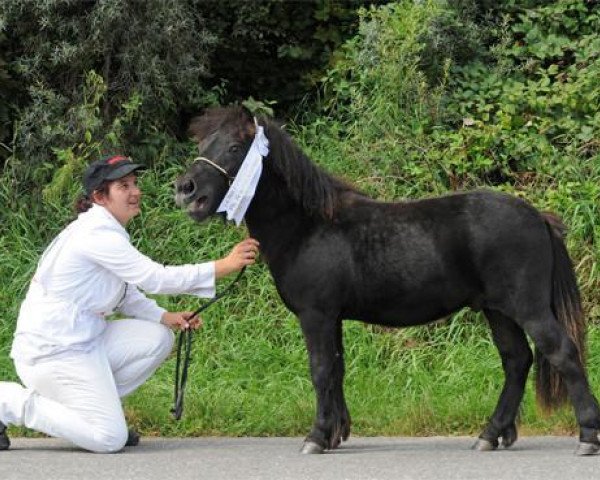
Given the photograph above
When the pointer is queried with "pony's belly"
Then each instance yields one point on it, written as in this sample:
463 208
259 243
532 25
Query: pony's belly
404 316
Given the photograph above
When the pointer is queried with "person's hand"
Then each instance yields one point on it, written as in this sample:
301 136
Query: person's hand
243 254
181 320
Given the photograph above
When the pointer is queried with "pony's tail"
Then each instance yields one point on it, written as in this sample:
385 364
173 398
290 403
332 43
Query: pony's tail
551 390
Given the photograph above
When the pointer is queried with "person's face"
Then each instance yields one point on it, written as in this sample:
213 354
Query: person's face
123 199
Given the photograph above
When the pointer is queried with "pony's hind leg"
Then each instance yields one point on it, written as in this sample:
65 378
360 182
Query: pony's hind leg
323 336
551 339
517 358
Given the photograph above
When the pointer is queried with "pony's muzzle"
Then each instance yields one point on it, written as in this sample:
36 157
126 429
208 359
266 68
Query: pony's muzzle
185 191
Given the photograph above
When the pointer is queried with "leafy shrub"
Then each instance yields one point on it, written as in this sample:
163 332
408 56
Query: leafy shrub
521 115
545 107
155 55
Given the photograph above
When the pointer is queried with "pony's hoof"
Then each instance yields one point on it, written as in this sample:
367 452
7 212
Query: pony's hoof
509 436
507 442
587 449
311 448
482 445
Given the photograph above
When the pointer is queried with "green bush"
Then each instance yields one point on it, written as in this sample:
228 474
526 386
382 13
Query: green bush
156 54
173 57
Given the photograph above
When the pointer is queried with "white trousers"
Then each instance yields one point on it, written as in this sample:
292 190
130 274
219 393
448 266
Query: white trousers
77 396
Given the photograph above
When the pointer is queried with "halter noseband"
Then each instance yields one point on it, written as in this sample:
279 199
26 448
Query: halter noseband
221 170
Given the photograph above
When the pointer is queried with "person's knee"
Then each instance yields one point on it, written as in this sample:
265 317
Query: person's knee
110 440
167 340
159 340
13 402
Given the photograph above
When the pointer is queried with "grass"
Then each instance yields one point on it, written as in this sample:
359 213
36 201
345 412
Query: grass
249 374
251 378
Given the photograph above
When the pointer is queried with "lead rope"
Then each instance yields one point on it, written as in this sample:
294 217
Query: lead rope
181 380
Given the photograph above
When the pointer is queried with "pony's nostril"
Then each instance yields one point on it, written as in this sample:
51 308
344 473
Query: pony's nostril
187 187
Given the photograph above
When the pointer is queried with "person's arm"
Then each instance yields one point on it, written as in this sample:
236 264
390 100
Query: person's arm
181 320
243 254
114 252
136 304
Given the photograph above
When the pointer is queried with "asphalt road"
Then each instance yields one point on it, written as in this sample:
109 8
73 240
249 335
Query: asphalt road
377 458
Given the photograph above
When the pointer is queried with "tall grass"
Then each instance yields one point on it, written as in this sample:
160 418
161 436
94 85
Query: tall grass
249 374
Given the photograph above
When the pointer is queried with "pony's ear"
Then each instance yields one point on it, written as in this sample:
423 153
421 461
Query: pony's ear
247 112
247 126
205 123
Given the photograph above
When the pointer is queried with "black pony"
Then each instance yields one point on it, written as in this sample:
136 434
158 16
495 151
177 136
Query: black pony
337 254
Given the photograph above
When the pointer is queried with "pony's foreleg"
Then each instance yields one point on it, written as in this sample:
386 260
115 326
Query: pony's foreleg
323 336
346 422
517 358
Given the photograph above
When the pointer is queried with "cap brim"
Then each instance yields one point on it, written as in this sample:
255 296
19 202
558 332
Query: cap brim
123 171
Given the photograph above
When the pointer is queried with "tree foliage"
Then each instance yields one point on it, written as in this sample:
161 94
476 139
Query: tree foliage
157 50
277 50
8 90
539 100
174 57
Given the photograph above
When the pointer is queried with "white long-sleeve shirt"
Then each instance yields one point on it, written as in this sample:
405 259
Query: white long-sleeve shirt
89 271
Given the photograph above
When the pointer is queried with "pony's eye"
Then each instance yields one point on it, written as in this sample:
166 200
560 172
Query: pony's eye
234 149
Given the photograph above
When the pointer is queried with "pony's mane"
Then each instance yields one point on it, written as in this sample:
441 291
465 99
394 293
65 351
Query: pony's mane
317 192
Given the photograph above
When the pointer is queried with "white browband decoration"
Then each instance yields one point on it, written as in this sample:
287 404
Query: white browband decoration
242 190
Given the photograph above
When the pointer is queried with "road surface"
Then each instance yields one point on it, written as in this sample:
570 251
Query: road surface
372 458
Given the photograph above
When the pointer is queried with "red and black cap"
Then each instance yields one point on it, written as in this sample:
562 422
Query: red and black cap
108 168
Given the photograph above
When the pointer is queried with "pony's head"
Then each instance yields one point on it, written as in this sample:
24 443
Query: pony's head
224 136
289 178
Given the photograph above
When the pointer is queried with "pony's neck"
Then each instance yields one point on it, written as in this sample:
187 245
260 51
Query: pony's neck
274 218
310 188
293 196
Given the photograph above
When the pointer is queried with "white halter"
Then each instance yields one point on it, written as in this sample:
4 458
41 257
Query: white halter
240 193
